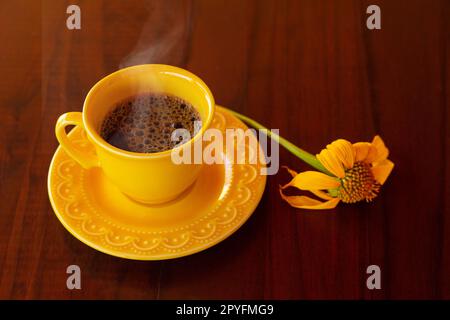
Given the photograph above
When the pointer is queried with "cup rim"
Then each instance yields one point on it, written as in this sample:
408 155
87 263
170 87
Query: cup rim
176 71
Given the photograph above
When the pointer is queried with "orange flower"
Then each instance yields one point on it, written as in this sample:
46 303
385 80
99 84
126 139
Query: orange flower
356 173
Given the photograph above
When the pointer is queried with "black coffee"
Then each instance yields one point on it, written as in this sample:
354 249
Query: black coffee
145 123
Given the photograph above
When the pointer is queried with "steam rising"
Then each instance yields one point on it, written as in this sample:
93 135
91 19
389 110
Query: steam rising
161 39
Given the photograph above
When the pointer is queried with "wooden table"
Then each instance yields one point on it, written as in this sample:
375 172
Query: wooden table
310 68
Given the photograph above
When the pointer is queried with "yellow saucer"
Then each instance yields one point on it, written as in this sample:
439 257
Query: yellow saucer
98 214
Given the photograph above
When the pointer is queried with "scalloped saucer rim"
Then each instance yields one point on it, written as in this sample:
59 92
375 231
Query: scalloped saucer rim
89 207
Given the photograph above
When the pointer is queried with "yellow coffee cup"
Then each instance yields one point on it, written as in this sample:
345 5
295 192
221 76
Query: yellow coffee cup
145 177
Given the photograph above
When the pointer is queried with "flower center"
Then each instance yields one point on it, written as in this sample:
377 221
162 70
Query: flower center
358 184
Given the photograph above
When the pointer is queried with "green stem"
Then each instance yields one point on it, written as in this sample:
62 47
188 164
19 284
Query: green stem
292 148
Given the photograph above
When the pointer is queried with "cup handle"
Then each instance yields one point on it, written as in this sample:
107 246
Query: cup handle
73 118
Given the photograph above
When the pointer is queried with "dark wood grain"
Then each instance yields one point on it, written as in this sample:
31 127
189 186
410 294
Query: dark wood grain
308 67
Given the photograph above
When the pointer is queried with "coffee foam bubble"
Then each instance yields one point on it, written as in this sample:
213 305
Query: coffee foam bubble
145 123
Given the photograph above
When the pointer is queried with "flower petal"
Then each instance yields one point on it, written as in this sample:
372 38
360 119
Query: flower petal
382 170
331 162
298 201
291 172
382 151
304 202
321 194
372 155
330 204
343 150
361 150
313 180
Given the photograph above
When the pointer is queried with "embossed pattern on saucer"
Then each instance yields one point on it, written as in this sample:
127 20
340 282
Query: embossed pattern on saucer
95 212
